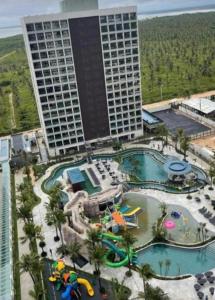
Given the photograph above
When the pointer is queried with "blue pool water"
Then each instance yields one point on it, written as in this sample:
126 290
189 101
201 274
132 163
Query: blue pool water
148 168
182 260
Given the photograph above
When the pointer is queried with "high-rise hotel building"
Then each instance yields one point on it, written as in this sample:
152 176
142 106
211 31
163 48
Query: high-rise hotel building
85 69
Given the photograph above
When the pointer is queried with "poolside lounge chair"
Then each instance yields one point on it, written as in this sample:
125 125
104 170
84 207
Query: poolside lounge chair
209 274
199 275
202 210
211 279
198 199
208 215
212 220
202 281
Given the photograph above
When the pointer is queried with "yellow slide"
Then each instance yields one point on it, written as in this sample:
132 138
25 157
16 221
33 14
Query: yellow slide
87 286
133 212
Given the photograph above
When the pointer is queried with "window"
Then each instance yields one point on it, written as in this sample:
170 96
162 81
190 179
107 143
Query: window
60 53
127 35
133 16
63 24
39 26
42 91
48 81
57 34
67 52
111 18
50 45
111 27
45 64
34 47
65 33
30 27
103 19
66 43
69 60
37 65
126 26
40 82
40 36
133 25
39 74
32 37
126 17
51 53
55 25
35 56
118 27
43 55
58 44
133 34
47 25
42 46
119 36
104 29
48 35
118 18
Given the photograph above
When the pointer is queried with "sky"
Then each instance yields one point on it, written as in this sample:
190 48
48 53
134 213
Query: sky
12 10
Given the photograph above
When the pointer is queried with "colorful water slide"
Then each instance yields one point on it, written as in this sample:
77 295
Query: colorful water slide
66 295
133 212
87 285
118 218
113 248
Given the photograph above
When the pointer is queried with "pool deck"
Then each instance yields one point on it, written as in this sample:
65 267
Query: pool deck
176 289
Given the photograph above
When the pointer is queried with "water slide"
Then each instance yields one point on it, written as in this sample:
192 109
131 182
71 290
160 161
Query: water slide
113 248
87 285
118 218
67 294
133 212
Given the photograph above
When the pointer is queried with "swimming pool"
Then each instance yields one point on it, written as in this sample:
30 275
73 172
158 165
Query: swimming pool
168 260
149 169
185 232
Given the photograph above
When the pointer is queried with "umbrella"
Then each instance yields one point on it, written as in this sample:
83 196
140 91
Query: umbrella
169 224
197 287
200 295
199 275
209 273
202 281
211 279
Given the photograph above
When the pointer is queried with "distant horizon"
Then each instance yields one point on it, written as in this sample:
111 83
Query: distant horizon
9 31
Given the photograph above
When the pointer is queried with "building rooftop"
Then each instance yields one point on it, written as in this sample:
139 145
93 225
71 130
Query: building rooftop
204 105
19 143
4 150
75 176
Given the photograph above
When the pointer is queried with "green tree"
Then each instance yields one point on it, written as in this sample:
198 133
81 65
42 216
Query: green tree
97 258
120 291
24 212
128 241
184 145
146 273
73 250
32 232
211 172
163 133
30 263
178 137
163 208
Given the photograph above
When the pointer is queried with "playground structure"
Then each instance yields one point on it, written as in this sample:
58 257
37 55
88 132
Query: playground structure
120 217
68 282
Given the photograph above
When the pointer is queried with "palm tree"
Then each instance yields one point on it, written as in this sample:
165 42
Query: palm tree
97 257
184 145
163 208
178 137
32 232
211 172
163 133
92 238
128 241
120 291
31 264
60 220
51 221
146 273
24 212
73 251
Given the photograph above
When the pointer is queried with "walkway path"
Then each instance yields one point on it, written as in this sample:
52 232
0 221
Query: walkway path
25 279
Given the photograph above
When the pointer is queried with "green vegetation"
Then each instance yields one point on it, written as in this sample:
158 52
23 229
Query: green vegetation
17 105
16 275
177 56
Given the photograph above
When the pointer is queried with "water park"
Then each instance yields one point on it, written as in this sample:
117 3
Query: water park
155 198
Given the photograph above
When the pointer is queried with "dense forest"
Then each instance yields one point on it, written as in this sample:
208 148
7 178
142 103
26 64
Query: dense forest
177 55
177 59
